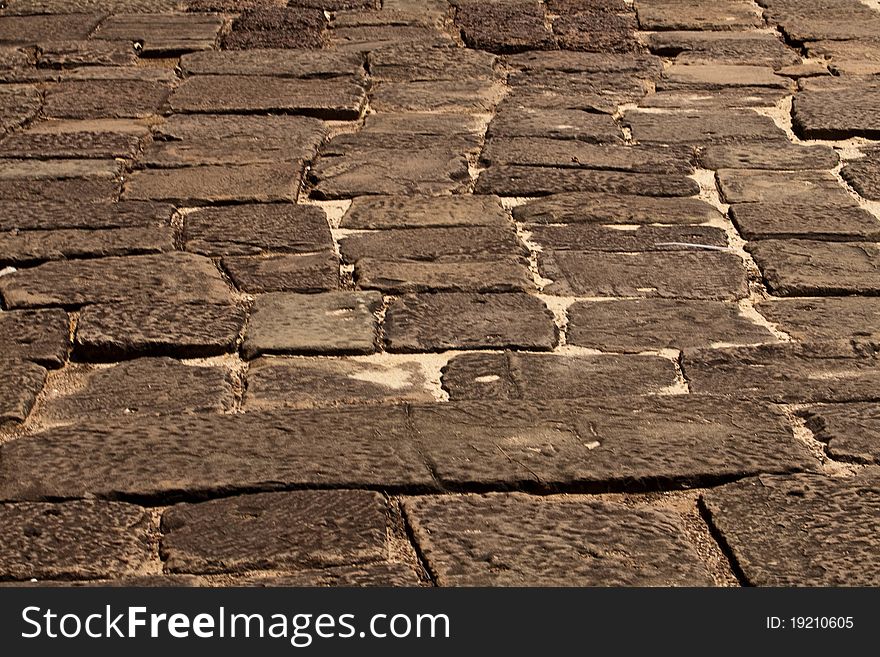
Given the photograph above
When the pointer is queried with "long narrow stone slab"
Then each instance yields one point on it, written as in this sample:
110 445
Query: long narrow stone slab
382 212
825 318
76 214
603 208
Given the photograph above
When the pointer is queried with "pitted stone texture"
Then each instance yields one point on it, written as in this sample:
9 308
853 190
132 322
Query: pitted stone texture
513 375
824 529
74 540
146 386
636 443
77 6
864 175
787 373
754 186
411 64
503 27
129 329
163 34
702 127
685 275
70 54
591 237
99 139
384 574
217 454
596 31
35 180
807 267
96 99
685 15
467 96
825 318
257 228
251 183
42 336
52 26
370 212
78 214
836 218
275 531
837 109
783 156
743 48
305 64
18 103
433 243
277 27
596 207
34 246
330 323
318 272
19 387
652 324
850 431
436 322
178 277
558 124
538 181
336 99
470 274
317 382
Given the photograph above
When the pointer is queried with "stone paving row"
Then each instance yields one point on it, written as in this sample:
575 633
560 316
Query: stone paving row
439 292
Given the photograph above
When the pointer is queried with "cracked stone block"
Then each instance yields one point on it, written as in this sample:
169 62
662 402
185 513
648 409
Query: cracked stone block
783 156
512 180
504 27
283 63
824 318
864 176
553 124
467 96
753 186
70 54
851 432
824 529
308 273
518 540
35 246
743 48
97 99
837 109
835 218
787 372
702 127
685 275
525 376
274 531
597 207
42 336
36 180
685 15
592 237
340 322
74 540
42 28
317 382
20 384
98 139
436 322
413 64
277 27
653 324
469 274
163 34
383 212
76 214
129 329
433 243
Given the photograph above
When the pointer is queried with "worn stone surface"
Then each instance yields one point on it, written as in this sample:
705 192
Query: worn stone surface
21 383
42 336
470 274
720 76
275 530
652 324
99 139
836 218
76 214
433 243
18 103
837 109
283 63
411 64
851 432
752 186
504 27
368 212
824 318
823 529
95 99
436 95
596 31
383 574
696 99
70 54
74 540
736 47
330 323
591 237
163 34
554 124
702 127
36 246
778 155
31 30
677 15
277 27
35 180
597 207
864 176
317 272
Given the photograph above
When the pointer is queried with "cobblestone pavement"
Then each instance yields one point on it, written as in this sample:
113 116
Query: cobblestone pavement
573 292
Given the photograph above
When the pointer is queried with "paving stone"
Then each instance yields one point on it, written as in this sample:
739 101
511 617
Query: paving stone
702 127
590 207
417 123
474 96
31 30
864 176
537 376
71 6
788 372
685 15
70 54
825 318
144 74
433 243
163 34
591 92
70 214
34 180
94 99
520 540
824 529
74 540
781 156
408 64
366 38
847 57
275 530
837 109
743 48
558 124
371 212
834 219
406 14
714 100
436 322
719 76
192 456
130 329
179 277
592 237
643 443
471 274
503 27
277 27
250 183
330 323
283 63
513 180
808 267
564 61
316 382
98 139
752 186
19 387
146 386
334 99
13 58
684 275
653 324
596 31
34 246
861 24
381 146
851 432
253 229
366 575
283 273
42 336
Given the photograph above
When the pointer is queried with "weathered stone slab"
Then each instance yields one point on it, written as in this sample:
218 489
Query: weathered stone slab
787 373
519 540
330 323
864 176
720 76
847 57
807 267
34 246
678 15
74 540
685 275
317 382
470 96
282 63
35 180
837 218
825 318
70 54
470 274
18 103
163 34
277 27
537 181
438 124
851 432
436 322
554 124
42 336
783 156
433 243
99 139
275 530
513 375
837 109
95 99
504 27
381 145
744 48
592 237
310 273
555 90
596 31
385 574
180 277
715 100
74 213
702 127
366 38
27 7
370 212
824 529
564 61
19 387
31 30
596 207
752 186
653 324
411 64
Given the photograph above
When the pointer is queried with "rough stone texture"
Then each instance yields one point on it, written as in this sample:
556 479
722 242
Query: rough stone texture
400 276
733 99
702 127
517 540
309 273
303 64
42 336
99 139
678 15
76 214
788 373
538 181
436 95
277 27
590 237
275 530
825 318
412 64
19 387
707 275
366 575
368 212
70 54
525 376
433 243
130 329
31 30
781 156
753 186
837 109
743 48
95 99
316 382
436 322
330 323
74 540
503 27
163 34
558 124
823 529
864 176
720 76
652 324
596 31
36 246
836 218
851 432
18 103
34 180
602 208
807 267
